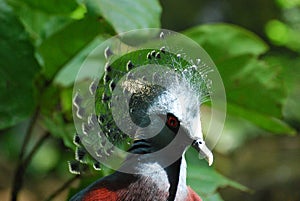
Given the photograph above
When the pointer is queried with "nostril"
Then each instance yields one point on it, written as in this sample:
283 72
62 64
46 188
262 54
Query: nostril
197 142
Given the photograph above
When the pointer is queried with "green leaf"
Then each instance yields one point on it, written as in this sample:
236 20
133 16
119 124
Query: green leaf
53 6
291 76
254 92
266 122
252 84
223 40
58 128
213 197
68 73
41 24
127 15
206 180
17 72
62 46
55 120
254 89
66 100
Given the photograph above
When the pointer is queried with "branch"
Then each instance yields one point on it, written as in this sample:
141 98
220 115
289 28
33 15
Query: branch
62 188
18 177
28 133
23 163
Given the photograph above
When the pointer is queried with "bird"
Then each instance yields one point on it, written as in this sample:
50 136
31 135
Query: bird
164 108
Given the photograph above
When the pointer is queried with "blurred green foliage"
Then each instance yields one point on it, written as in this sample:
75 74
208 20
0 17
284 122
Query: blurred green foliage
43 44
17 63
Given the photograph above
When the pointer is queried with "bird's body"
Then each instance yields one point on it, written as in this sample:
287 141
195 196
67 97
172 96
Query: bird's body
140 190
151 181
164 184
137 191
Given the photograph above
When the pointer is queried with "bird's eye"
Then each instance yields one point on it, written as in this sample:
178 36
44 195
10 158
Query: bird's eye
172 121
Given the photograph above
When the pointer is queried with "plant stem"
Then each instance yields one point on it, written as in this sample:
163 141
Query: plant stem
23 162
62 188
28 133
18 177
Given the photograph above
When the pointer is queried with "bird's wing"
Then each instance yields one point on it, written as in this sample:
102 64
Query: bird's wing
192 195
100 194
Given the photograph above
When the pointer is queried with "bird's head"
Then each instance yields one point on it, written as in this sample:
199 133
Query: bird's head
167 114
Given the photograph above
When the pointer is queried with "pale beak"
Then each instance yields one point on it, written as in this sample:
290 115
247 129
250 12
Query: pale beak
203 150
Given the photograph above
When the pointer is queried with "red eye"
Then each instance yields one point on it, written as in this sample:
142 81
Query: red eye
172 122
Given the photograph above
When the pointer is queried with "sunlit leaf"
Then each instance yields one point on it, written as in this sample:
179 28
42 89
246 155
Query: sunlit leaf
17 72
223 41
254 92
213 197
266 122
288 3
66 100
127 15
278 32
67 75
61 47
252 84
41 24
254 89
54 6
285 32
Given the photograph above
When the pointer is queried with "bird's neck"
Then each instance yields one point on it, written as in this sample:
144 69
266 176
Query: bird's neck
177 177
171 178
